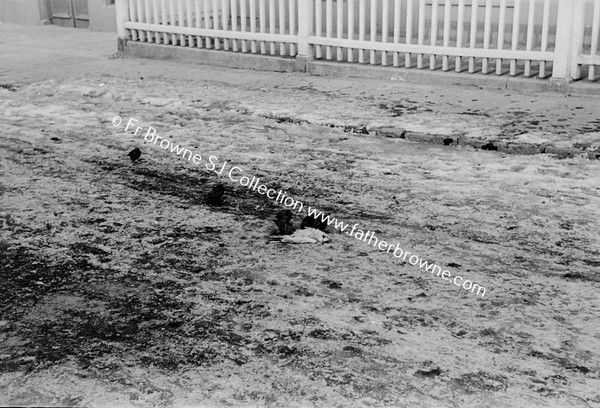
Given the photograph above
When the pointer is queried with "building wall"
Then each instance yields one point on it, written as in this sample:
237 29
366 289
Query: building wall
20 12
35 12
102 15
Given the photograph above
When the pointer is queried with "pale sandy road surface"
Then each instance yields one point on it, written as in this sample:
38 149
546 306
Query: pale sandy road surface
122 288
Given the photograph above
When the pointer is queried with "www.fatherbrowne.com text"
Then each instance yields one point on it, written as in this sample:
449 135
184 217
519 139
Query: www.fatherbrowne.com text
235 174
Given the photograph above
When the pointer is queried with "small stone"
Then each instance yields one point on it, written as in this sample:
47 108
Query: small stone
92 92
159 102
391 132
428 373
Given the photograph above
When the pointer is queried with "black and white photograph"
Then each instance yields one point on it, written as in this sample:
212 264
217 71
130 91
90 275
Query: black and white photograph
300 203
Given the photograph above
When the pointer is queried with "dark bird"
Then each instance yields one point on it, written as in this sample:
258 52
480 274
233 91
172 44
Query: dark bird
312 222
283 220
428 373
215 196
135 154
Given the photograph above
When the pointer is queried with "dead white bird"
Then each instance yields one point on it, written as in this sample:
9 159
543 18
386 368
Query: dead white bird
306 236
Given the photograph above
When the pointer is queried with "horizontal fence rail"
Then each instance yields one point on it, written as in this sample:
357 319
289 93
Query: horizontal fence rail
556 39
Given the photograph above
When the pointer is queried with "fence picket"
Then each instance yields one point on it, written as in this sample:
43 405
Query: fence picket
251 24
460 30
244 22
233 14
594 44
385 10
351 5
362 16
292 24
262 23
397 28
339 21
421 32
140 18
373 26
215 22
206 7
164 19
272 24
328 25
473 36
487 33
156 20
148 19
434 31
515 34
530 28
133 17
552 32
501 28
189 23
318 26
409 33
198 14
180 20
225 21
545 29
447 22
282 19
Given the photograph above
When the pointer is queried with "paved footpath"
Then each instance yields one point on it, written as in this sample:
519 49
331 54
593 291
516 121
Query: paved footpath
471 117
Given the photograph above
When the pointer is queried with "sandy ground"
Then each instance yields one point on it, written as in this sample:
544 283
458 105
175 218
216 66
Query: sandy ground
121 287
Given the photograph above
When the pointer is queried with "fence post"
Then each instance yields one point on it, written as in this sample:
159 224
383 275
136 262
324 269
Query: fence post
122 10
569 42
305 28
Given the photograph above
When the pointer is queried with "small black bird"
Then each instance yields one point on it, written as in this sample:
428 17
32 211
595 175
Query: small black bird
312 222
283 220
215 196
135 154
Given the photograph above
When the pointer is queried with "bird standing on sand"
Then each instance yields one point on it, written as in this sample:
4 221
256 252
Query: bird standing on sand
312 222
283 220
135 154
215 196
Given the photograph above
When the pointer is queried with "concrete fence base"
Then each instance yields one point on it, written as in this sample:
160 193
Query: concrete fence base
325 68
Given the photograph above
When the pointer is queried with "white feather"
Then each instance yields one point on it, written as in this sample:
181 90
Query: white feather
306 236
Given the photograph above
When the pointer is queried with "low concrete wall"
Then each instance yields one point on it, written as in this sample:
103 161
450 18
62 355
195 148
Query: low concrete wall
324 68
217 58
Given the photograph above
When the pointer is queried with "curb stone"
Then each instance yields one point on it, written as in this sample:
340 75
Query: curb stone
420 137
390 132
521 148
488 144
457 139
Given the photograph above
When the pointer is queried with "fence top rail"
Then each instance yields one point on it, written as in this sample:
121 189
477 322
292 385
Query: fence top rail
433 49
203 32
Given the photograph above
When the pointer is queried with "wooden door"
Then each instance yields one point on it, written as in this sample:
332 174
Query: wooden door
70 13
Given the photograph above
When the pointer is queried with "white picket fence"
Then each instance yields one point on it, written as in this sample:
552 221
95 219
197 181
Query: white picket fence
533 38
